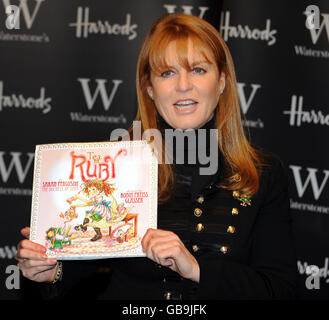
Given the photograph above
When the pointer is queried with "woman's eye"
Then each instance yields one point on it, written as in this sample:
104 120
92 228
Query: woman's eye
166 73
199 70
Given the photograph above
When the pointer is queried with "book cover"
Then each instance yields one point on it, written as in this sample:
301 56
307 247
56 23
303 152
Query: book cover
93 200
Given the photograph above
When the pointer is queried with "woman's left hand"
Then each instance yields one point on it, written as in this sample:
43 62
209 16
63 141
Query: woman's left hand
165 248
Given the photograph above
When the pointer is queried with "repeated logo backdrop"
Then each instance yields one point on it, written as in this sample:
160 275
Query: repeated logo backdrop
282 70
68 74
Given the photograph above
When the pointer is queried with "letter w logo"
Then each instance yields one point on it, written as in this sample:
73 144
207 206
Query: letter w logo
25 9
301 188
100 89
244 102
15 163
315 34
171 8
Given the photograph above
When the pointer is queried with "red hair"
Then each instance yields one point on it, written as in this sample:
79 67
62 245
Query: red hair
100 185
242 161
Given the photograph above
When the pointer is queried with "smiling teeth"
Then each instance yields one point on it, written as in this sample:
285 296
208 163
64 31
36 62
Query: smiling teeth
185 104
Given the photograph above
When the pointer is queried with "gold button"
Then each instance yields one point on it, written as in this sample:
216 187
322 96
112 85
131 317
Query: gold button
223 249
197 212
200 199
195 248
231 229
235 211
199 227
236 194
167 295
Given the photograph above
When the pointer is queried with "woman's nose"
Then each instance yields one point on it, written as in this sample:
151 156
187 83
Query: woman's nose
183 81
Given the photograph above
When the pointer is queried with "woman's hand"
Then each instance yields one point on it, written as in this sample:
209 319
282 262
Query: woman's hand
33 261
165 248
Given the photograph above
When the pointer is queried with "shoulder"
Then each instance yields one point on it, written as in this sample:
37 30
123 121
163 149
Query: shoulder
272 196
273 173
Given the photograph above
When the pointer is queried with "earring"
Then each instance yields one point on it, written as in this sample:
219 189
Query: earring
221 91
150 94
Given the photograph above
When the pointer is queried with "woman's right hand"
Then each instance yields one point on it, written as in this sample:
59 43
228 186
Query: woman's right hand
33 261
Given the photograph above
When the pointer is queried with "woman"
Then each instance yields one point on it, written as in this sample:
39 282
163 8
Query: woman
220 236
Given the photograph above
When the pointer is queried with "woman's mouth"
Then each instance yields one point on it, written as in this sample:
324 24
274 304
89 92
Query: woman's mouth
185 104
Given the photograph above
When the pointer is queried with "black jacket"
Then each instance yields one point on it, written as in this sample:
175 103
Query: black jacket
244 252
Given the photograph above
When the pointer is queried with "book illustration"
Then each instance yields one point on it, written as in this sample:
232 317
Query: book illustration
102 212
93 200
58 237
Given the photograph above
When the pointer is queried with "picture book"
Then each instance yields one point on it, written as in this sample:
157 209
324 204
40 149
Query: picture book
93 200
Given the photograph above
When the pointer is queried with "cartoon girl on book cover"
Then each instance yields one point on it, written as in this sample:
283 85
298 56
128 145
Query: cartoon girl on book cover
103 212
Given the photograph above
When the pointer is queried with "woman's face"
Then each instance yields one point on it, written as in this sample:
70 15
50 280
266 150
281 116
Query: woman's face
186 99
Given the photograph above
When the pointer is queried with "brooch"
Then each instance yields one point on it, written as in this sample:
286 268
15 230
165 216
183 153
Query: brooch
245 199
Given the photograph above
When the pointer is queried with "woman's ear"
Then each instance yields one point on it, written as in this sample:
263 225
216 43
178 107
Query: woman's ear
150 92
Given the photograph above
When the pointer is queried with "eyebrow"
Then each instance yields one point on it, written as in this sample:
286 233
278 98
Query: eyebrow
195 63
200 62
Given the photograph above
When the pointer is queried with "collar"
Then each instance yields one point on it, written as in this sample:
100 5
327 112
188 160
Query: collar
203 179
